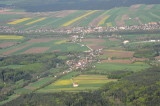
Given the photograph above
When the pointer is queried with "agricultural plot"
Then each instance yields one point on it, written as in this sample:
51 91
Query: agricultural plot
34 86
94 43
19 21
113 44
141 37
43 46
89 20
85 82
133 15
5 17
117 53
110 67
10 37
78 18
32 22
7 44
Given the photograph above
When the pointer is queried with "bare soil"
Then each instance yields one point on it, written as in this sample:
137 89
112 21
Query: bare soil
14 50
7 44
64 13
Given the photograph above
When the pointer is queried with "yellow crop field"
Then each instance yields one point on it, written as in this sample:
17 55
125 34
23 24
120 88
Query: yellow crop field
61 42
19 21
109 24
84 81
41 19
103 20
10 37
63 82
78 18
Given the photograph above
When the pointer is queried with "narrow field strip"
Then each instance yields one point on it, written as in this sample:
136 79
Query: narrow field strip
103 20
78 18
16 49
93 79
92 76
10 37
19 21
109 24
41 19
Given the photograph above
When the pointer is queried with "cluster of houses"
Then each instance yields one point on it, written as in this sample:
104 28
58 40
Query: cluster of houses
89 29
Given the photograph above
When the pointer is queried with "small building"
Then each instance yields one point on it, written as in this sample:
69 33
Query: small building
157 58
126 41
75 84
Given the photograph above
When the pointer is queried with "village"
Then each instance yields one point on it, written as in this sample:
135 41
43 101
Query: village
89 29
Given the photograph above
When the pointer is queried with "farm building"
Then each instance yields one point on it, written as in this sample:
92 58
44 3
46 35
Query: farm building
75 84
157 58
125 42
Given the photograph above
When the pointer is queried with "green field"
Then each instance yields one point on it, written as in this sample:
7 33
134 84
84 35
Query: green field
110 67
61 47
134 17
85 83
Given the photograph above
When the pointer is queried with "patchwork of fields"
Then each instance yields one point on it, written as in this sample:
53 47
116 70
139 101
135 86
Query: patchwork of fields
39 46
85 82
134 15
108 54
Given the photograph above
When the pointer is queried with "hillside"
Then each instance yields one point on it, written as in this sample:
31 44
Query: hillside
140 89
79 57
16 21
52 5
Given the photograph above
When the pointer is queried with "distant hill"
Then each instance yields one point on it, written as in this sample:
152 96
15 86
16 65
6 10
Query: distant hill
53 5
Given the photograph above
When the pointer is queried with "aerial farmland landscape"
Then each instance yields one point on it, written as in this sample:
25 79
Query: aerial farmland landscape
79 53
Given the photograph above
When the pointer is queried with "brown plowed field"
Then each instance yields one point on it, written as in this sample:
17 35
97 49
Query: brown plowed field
7 44
122 22
95 47
14 50
134 7
118 53
149 7
31 88
140 59
41 40
4 10
158 57
94 43
37 50
138 20
96 21
64 13
14 13
117 61
55 51
114 39
94 40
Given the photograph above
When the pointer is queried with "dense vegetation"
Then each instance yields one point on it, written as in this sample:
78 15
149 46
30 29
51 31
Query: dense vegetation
141 88
26 69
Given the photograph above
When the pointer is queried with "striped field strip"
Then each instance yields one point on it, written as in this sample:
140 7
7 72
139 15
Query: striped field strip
19 21
78 18
32 22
